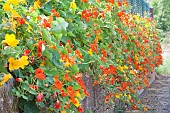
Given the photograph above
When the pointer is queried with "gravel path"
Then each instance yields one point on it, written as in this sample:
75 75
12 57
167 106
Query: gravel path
157 97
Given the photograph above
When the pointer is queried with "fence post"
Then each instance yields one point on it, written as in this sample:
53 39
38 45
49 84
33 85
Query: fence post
152 13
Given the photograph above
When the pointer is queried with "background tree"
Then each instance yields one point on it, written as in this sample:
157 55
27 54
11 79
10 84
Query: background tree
162 13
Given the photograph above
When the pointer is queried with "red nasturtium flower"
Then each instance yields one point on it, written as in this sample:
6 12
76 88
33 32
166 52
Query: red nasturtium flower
57 105
39 97
70 91
22 21
26 52
103 59
119 3
33 87
111 1
47 23
85 1
80 109
104 52
41 43
121 13
18 79
112 80
63 94
95 12
86 14
40 74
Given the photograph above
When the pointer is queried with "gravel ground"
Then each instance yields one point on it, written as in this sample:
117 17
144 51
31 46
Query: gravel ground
156 98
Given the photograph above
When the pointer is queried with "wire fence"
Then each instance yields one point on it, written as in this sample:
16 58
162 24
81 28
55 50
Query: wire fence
140 7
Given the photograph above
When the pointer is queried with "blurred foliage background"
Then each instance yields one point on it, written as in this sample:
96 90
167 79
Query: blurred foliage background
162 13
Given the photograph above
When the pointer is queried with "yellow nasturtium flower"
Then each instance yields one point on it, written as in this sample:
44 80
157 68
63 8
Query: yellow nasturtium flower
6 7
90 52
118 95
14 2
131 72
77 104
23 61
13 64
29 28
5 79
129 97
19 63
11 40
120 68
15 14
77 94
67 63
73 5
37 5
63 111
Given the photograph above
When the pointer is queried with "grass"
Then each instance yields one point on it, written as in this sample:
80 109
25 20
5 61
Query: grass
164 69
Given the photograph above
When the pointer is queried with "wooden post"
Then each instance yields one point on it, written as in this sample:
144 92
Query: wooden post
8 103
152 13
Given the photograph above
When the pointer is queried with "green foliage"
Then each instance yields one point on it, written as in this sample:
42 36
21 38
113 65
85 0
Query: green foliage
162 13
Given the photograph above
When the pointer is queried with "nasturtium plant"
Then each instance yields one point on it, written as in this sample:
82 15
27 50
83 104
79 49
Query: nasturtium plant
48 45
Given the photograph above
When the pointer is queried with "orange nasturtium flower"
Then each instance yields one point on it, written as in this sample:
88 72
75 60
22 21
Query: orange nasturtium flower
57 83
11 40
78 54
40 74
111 1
